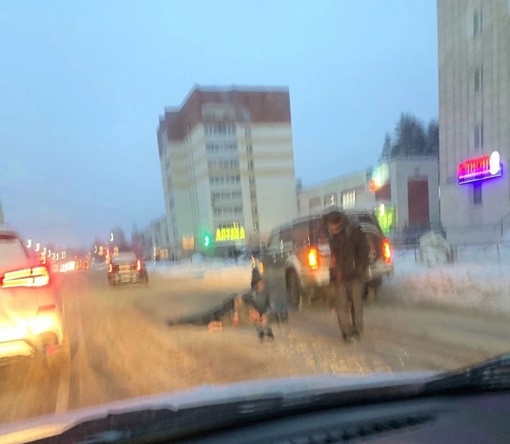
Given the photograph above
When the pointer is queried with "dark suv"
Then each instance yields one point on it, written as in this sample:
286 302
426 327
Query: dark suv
297 255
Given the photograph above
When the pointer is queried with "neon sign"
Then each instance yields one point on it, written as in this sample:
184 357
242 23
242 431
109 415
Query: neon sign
480 168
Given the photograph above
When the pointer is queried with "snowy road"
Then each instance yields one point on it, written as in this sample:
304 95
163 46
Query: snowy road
121 348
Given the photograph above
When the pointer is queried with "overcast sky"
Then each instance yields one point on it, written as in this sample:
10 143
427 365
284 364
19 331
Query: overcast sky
82 85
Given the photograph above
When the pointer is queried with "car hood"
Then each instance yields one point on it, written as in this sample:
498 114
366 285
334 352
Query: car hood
206 395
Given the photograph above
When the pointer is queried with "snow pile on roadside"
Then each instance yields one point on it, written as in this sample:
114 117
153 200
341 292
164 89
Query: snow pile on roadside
479 286
434 249
212 270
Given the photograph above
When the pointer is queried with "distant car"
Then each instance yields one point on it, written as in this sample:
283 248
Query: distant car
31 311
127 268
297 255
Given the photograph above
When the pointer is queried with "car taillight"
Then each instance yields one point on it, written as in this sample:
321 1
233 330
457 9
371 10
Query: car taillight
386 253
27 277
110 268
138 265
313 258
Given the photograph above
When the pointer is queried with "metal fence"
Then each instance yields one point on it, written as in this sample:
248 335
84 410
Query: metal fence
486 252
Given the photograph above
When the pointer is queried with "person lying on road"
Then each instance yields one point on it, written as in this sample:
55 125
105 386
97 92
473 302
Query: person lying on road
257 307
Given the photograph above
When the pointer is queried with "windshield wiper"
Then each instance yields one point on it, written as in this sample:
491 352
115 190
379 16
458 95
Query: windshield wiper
489 375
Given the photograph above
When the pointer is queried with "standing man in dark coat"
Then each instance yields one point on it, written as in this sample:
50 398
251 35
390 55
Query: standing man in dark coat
349 262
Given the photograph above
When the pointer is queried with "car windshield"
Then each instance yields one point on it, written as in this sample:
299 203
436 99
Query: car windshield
169 173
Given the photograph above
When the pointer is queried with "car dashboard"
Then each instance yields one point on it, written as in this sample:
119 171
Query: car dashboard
479 418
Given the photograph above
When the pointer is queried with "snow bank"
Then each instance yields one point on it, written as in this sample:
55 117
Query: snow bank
479 280
434 249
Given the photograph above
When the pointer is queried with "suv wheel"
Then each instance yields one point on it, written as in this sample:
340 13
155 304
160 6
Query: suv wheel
294 291
372 291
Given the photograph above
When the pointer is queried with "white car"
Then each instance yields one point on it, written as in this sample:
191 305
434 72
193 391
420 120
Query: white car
31 312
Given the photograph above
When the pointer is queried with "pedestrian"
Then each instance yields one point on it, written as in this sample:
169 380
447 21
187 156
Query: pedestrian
349 262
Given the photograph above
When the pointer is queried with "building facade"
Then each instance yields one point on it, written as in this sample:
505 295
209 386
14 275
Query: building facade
227 165
402 192
406 196
474 123
153 242
349 191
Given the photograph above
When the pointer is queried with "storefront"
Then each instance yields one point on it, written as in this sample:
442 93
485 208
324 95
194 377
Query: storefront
475 205
406 192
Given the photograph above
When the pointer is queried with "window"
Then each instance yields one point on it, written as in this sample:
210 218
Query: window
477 22
274 239
479 136
250 165
330 199
215 148
247 132
252 180
249 148
477 193
286 235
220 130
349 199
253 194
300 233
478 80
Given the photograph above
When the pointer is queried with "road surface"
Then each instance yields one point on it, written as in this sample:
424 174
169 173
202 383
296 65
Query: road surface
121 347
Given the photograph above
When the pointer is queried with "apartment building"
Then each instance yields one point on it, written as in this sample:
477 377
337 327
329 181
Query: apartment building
227 166
474 123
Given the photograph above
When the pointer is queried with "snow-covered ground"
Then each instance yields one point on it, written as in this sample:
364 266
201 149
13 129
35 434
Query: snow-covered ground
479 279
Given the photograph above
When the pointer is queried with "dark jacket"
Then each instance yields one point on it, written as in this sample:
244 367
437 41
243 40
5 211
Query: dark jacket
349 253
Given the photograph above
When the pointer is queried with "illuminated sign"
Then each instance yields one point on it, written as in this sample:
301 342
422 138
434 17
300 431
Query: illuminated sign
373 186
480 168
188 243
233 233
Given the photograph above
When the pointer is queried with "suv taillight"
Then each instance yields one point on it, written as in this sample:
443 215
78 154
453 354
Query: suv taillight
313 258
138 265
27 277
386 251
110 267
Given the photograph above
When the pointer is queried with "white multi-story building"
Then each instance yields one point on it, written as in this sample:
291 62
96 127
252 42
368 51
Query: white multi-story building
474 122
349 191
227 165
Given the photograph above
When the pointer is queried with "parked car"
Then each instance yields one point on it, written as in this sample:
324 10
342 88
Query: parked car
126 268
31 311
297 255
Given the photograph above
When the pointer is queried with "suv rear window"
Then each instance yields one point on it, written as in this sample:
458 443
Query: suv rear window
274 239
301 233
368 223
124 257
